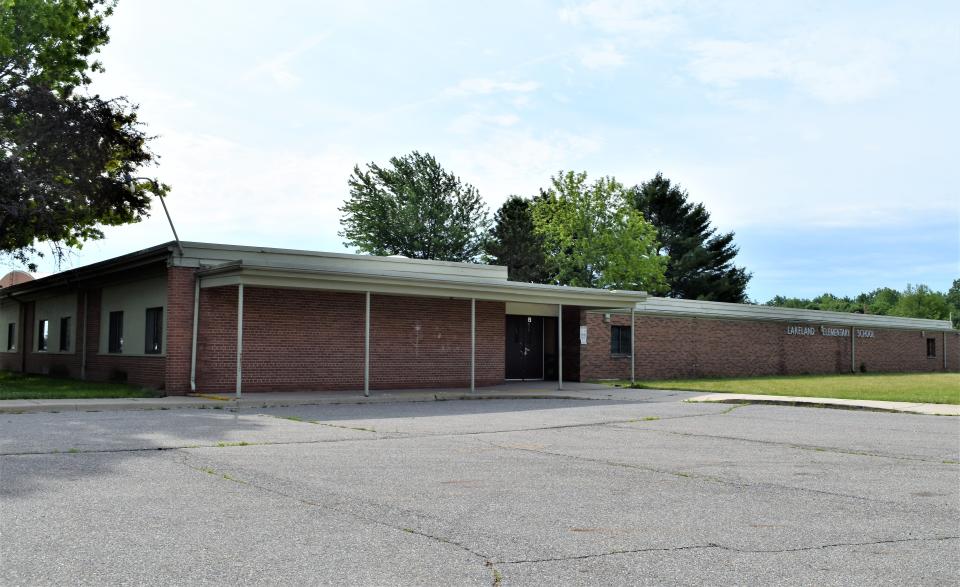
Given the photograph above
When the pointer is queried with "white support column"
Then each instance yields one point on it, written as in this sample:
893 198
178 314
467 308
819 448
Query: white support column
473 345
366 348
193 339
239 340
559 346
853 349
633 344
83 339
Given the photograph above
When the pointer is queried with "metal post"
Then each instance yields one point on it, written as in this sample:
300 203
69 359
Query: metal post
633 341
239 340
853 349
193 340
559 346
473 345
366 348
83 334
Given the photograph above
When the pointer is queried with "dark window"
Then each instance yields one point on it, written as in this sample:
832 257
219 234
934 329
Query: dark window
11 336
620 340
65 334
931 347
115 344
154 332
43 335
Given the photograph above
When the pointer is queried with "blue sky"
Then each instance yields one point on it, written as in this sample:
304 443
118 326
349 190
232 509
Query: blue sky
822 133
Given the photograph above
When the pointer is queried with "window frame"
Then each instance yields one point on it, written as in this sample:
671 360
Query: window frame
617 333
65 338
11 336
931 348
43 335
153 325
115 332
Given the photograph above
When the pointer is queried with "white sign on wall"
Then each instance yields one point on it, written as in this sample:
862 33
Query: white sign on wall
794 330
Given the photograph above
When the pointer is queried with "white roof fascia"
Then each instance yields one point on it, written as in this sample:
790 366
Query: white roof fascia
655 306
403 283
209 254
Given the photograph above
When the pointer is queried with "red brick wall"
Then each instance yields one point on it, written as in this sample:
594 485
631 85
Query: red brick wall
313 340
696 347
179 335
145 371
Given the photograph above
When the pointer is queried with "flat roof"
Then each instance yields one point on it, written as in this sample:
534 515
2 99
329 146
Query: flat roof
657 306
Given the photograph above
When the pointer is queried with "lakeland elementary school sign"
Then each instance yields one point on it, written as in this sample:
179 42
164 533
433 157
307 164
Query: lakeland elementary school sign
827 331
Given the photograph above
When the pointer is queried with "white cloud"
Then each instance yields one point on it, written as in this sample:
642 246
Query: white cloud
474 121
475 86
833 68
603 56
649 19
279 68
514 161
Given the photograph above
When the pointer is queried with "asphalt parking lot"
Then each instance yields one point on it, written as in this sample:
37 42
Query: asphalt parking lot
642 490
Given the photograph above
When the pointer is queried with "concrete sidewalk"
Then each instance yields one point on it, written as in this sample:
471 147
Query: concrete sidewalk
526 390
821 402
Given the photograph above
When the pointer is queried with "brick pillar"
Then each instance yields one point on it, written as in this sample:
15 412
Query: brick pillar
179 337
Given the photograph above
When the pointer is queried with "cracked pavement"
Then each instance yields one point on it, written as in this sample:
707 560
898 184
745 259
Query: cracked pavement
640 489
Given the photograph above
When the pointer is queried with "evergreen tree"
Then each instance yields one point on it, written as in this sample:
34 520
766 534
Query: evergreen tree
701 261
514 243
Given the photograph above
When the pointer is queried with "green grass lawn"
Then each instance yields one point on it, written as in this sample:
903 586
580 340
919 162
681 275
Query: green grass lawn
19 386
935 388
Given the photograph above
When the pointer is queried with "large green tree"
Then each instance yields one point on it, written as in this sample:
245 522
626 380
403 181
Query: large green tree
66 157
701 260
415 208
594 238
514 242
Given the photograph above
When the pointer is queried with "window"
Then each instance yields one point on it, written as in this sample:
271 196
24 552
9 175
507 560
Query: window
620 340
12 336
931 348
65 334
153 345
115 343
43 334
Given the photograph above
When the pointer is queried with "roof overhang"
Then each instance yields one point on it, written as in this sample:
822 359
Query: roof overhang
298 277
676 308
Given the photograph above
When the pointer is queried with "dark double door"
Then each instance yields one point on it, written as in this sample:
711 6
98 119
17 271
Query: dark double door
524 347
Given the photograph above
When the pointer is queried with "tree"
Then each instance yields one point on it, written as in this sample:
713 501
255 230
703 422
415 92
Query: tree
701 261
66 158
922 302
594 238
913 302
953 299
414 208
514 242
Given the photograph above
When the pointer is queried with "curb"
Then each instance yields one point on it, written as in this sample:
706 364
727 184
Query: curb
230 404
819 404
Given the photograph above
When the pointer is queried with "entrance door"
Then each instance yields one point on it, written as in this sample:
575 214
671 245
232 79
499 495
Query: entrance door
524 347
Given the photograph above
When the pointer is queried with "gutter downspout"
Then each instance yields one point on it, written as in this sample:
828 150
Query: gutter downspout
193 341
560 346
853 349
633 344
83 333
239 340
366 347
473 344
